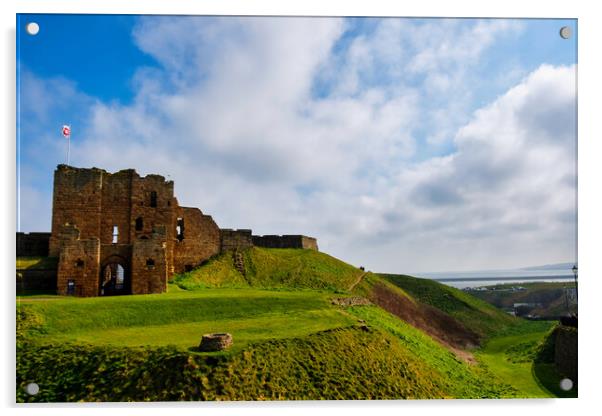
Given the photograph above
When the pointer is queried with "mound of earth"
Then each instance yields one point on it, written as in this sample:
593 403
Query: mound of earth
437 324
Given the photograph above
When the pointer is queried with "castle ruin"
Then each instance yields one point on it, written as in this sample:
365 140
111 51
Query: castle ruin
120 233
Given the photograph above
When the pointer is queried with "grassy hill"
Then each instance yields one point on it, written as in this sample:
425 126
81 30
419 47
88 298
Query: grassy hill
291 341
273 268
475 314
179 318
288 345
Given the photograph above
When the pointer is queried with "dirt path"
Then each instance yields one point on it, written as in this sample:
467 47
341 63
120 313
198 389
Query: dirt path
359 279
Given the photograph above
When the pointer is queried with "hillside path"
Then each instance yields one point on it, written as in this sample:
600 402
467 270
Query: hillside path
359 279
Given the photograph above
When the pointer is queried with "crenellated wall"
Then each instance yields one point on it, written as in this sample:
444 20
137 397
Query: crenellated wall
233 240
285 241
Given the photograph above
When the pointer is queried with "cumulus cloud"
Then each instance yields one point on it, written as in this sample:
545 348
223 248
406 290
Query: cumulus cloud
315 126
507 192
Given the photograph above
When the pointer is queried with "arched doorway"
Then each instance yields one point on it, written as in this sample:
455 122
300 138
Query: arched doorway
114 277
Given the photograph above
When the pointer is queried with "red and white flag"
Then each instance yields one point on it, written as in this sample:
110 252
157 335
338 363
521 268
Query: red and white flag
66 131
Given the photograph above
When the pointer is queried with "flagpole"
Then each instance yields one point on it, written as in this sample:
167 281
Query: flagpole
67 134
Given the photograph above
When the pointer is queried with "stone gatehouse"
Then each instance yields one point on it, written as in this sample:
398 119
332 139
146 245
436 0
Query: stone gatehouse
120 233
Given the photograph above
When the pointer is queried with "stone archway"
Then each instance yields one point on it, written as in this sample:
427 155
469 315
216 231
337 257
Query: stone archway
114 277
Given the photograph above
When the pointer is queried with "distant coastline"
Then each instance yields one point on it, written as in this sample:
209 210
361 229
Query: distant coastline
508 278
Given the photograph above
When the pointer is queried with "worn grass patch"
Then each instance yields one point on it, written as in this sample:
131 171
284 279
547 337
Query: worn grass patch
474 313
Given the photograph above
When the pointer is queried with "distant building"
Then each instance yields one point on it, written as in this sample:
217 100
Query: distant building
524 308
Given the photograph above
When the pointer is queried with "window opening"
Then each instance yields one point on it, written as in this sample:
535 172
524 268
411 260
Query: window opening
180 229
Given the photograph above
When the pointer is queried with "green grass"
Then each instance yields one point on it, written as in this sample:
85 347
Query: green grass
36 294
180 318
290 342
475 314
511 358
461 379
273 268
549 379
188 335
347 363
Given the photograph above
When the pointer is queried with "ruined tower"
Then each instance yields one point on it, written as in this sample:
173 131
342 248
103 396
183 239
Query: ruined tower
122 233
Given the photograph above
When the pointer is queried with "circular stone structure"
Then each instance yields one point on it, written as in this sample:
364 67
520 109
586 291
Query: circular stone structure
215 342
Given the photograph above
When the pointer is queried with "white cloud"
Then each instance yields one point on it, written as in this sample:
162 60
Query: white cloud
510 184
233 118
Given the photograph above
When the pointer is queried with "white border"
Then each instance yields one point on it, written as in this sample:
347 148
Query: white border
590 208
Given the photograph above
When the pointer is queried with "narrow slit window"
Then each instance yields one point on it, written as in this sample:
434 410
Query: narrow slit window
139 224
115 234
150 264
153 199
180 229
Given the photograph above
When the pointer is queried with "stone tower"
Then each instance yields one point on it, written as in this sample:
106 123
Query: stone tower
122 233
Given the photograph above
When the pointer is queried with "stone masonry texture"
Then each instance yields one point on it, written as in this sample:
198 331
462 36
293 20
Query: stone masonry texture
120 233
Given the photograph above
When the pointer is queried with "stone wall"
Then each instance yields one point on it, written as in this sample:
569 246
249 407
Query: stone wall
77 196
285 241
236 239
79 262
33 244
149 265
198 239
152 204
116 211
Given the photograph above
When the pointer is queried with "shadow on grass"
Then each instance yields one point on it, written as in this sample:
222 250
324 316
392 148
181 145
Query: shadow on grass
548 378
29 293
211 357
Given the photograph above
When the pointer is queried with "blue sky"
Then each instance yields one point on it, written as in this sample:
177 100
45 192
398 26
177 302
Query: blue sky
402 144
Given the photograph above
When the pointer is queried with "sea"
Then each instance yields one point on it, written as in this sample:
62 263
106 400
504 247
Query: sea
462 280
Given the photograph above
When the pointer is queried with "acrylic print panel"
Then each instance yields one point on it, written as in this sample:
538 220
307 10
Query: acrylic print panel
288 208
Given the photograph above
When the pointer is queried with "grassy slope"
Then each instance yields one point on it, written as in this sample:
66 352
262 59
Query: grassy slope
504 337
289 343
180 318
37 263
386 361
502 356
273 268
464 380
475 314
